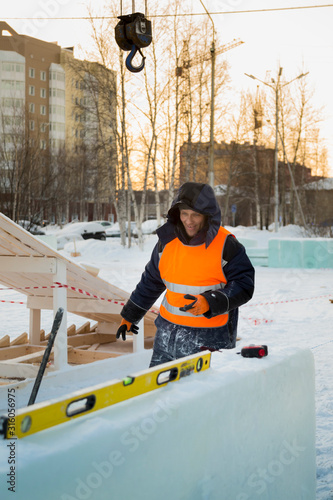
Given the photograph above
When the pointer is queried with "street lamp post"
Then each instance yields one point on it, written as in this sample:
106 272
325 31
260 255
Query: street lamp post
212 98
276 87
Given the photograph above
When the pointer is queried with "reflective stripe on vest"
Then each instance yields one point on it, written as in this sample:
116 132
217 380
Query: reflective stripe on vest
187 269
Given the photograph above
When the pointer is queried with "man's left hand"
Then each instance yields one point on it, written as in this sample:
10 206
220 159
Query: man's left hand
197 307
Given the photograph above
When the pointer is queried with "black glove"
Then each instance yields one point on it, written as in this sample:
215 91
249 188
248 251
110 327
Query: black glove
126 326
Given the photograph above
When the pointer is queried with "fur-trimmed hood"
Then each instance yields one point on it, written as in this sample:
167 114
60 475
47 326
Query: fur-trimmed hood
200 198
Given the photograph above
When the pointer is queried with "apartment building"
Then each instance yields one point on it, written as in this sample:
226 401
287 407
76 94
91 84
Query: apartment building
52 102
45 82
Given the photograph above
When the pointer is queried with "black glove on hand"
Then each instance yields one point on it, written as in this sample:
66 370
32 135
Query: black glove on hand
126 326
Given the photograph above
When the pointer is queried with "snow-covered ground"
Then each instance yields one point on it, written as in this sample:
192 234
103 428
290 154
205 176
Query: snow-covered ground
290 307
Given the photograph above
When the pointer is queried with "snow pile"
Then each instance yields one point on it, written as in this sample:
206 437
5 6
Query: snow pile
291 309
149 226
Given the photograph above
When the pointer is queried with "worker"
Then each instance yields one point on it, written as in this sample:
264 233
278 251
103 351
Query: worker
205 272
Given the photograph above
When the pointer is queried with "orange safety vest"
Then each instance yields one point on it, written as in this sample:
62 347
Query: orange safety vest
193 270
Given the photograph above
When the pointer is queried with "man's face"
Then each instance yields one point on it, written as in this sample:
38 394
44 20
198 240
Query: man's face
192 221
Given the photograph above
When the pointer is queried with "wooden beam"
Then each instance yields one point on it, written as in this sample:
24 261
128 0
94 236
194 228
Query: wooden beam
85 328
89 338
34 326
21 339
71 330
18 264
94 347
34 357
78 357
104 327
20 350
5 341
76 305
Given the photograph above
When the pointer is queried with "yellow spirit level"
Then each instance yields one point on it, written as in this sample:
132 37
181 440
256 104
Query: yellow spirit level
41 416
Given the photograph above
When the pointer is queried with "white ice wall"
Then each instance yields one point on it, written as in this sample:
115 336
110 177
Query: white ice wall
244 429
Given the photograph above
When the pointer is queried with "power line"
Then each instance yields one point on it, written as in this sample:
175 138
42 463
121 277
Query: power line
251 11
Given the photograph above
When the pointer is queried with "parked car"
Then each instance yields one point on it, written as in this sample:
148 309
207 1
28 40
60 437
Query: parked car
77 231
114 230
148 227
105 223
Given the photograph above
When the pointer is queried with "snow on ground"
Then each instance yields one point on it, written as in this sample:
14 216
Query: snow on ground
290 307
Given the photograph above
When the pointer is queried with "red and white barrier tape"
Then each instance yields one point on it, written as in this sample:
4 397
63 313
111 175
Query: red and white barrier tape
286 301
29 287
84 292
74 289
258 321
13 302
122 303
79 290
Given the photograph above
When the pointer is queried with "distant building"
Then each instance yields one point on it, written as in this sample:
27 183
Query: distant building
319 202
51 102
235 168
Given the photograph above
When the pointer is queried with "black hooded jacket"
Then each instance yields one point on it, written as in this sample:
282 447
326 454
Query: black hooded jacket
237 267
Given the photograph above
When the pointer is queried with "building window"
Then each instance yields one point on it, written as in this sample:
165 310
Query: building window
42 144
31 125
43 93
32 72
43 76
43 110
31 90
43 127
19 68
32 107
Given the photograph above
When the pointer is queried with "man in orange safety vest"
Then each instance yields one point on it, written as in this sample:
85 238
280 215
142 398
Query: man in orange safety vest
205 274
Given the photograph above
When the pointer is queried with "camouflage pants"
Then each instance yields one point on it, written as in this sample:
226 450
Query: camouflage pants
176 341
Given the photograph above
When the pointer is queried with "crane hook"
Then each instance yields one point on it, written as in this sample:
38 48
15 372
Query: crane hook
130 57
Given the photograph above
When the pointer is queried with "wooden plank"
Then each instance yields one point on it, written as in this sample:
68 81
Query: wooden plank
78 357
5 341
12 245
27 358
82 306
103 327
85 328
3 250
42 335
94 347
91 338
21 350
20 264
71 330
21 339
23 239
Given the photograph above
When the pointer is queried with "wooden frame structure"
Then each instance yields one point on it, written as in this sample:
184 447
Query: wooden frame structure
50 281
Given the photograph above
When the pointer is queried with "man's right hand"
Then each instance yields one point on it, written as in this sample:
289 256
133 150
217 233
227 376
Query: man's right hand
126 326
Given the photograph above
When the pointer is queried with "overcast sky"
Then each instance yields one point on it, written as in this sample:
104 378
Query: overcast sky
292 38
